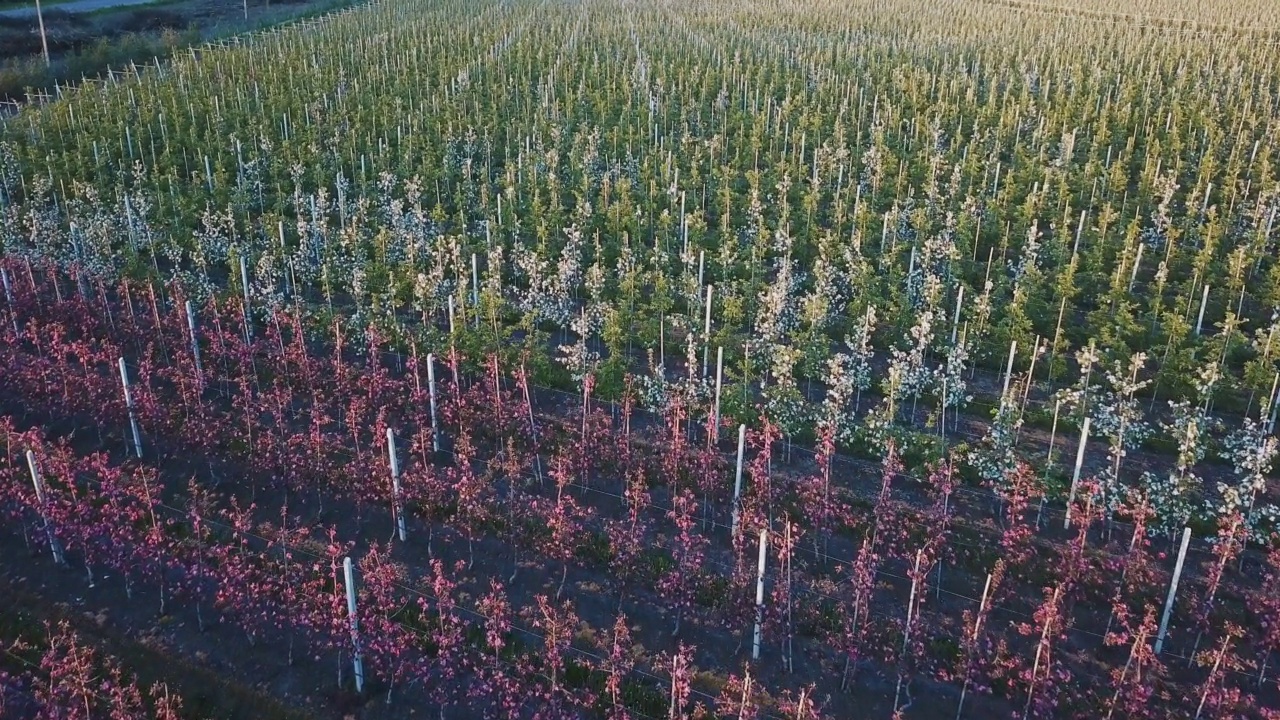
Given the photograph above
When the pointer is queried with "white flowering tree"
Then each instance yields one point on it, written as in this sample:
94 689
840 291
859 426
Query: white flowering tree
914 377
1118 417
655 391
1251 451
931 269
994 458
1079 399
776 317
784 405
861 353
836 413
577 357
950 377
1174 496
694 390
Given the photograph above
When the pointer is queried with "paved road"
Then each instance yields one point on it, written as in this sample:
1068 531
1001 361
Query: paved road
73 6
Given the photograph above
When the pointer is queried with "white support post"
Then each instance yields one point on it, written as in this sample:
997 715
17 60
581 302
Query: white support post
1137 262
955 320
133 416
36 480
906 629
244 284
1204 301
451 321
8 296
357 662
715 417
1075 247
737 482
195 343
285 263
44 39
911 601
1075 476
1008 371
684 220
1173 590
431 394
396 507
1053 434
475 282
706 333
1275 406
1268 407
759 630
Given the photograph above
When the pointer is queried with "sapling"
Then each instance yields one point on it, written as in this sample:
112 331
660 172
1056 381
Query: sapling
1212 683
973 629
1228 544
1049 616
916 576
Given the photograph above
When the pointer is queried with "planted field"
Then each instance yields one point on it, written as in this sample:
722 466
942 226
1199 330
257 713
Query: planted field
618 359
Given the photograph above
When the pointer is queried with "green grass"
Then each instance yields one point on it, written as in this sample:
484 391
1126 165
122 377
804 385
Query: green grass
13 5
115 49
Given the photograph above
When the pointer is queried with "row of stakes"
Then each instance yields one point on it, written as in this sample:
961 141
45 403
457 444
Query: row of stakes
398 513
402 531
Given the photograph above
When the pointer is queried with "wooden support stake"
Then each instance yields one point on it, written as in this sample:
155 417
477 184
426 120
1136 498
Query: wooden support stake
431 395
36 480
1204 301
1173 590
195 343
759 630
396 508
1075 476
737 482
133 416
357 662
